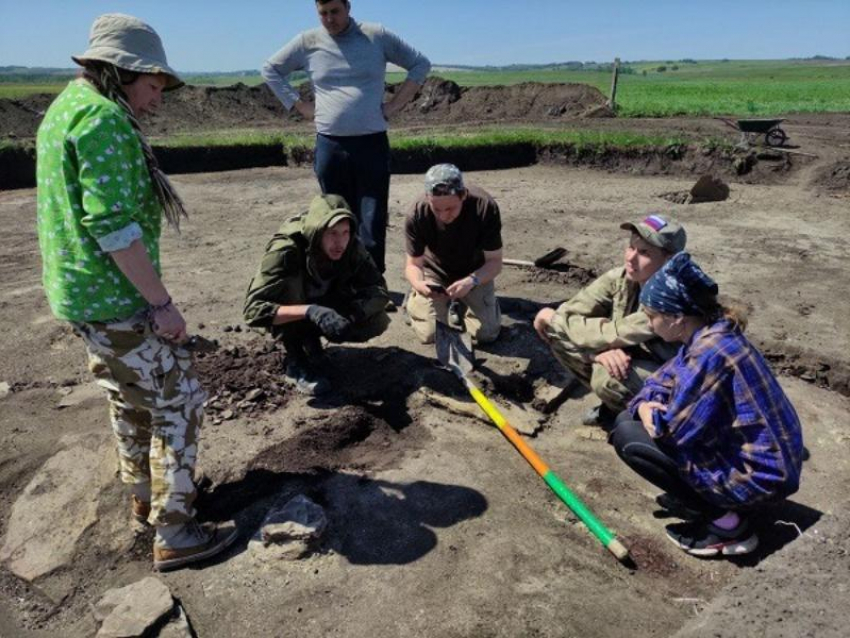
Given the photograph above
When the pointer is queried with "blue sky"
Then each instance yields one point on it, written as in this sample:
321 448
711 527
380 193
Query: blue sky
231 35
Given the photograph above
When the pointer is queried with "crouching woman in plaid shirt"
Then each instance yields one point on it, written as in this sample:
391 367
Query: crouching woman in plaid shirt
712 427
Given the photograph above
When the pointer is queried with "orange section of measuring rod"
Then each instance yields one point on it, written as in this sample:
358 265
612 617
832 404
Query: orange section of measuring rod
510 434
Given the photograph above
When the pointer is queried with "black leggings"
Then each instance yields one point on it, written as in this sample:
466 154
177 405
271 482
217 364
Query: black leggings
641 453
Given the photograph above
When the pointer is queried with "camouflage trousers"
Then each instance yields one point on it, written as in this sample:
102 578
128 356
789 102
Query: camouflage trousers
156 406
613 392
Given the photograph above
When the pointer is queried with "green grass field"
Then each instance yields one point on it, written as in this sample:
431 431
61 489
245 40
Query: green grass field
741 88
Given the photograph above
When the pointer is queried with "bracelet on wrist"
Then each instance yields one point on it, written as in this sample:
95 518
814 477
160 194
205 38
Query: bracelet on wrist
163 306
475 280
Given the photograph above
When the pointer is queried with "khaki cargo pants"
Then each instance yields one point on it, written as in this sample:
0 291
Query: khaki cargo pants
156 406
614 393
483 318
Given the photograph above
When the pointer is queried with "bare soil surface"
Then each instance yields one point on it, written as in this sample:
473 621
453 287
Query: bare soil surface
437 527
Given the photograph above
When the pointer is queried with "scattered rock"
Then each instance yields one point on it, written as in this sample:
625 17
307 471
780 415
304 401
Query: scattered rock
5 389
134 610
244 379
178 626
55 509
593 433
290 532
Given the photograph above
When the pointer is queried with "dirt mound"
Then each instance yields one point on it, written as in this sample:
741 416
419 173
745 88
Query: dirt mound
206 108
350 437
708 188
243 380
448 102
563 273
835 178
20 118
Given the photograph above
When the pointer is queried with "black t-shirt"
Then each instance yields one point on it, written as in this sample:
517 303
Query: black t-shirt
453 251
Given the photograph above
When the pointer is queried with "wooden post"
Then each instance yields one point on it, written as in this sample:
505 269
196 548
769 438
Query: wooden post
612 102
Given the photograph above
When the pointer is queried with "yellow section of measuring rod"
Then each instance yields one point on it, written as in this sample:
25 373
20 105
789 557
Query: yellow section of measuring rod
512 435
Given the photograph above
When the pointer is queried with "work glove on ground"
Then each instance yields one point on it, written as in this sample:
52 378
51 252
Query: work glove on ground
332 324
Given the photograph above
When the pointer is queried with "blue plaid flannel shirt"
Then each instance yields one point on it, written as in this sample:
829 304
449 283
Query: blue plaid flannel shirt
729 426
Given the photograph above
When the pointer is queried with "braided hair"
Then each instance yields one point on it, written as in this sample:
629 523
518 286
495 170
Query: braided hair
108 79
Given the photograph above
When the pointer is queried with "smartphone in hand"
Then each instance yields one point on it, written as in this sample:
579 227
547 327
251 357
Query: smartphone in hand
435 288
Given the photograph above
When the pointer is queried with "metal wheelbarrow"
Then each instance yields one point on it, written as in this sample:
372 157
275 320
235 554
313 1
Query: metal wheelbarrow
752 129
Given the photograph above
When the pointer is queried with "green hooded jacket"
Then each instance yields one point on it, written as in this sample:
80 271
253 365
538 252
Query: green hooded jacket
356 287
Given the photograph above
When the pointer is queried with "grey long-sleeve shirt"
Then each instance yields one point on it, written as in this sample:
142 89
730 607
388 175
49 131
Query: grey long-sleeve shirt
347 72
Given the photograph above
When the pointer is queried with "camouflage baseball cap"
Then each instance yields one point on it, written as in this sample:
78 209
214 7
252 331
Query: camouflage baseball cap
444 179
659 231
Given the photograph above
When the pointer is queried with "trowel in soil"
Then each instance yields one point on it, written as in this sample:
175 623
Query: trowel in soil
545 261
454 354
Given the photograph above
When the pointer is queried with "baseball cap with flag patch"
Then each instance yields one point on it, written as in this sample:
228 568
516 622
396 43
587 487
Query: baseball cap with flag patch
659 231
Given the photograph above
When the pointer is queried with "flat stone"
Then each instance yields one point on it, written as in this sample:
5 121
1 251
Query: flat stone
593 433
5 389
551 393
79 394
255 395
519 417
177 627
57 506
300 519
271 554
131 611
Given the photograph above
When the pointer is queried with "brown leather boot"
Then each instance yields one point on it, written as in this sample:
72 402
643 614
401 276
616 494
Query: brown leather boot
202 541
141 509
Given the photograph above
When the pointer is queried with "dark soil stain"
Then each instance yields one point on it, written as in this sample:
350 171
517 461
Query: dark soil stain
348 438
824 372
649 557
566 274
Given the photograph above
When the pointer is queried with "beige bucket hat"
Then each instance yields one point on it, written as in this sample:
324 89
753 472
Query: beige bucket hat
129 44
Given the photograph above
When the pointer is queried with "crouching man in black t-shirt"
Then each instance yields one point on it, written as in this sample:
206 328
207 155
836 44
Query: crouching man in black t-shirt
454 252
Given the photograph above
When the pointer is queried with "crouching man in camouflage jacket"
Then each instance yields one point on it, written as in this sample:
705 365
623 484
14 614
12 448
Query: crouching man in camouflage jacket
317 280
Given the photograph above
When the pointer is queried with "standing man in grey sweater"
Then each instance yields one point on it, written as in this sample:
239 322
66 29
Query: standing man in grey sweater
346 61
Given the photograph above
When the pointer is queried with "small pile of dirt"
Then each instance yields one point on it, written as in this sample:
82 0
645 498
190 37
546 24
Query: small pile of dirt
707 189
243 380
349 437
567 274
835 178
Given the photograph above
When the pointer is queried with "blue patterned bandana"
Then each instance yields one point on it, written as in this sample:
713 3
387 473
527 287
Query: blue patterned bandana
680 287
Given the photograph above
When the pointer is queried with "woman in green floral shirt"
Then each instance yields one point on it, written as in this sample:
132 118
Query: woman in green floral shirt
101 199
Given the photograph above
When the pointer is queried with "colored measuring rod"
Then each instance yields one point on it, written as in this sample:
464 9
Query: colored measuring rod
596 527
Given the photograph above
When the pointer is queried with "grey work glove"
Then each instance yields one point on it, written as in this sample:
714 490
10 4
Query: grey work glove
332 324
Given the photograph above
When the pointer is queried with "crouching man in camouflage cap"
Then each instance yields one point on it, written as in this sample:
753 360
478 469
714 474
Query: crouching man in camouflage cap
317 280
454 253
602 335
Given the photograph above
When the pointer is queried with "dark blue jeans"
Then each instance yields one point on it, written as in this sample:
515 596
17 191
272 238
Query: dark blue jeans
358 169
